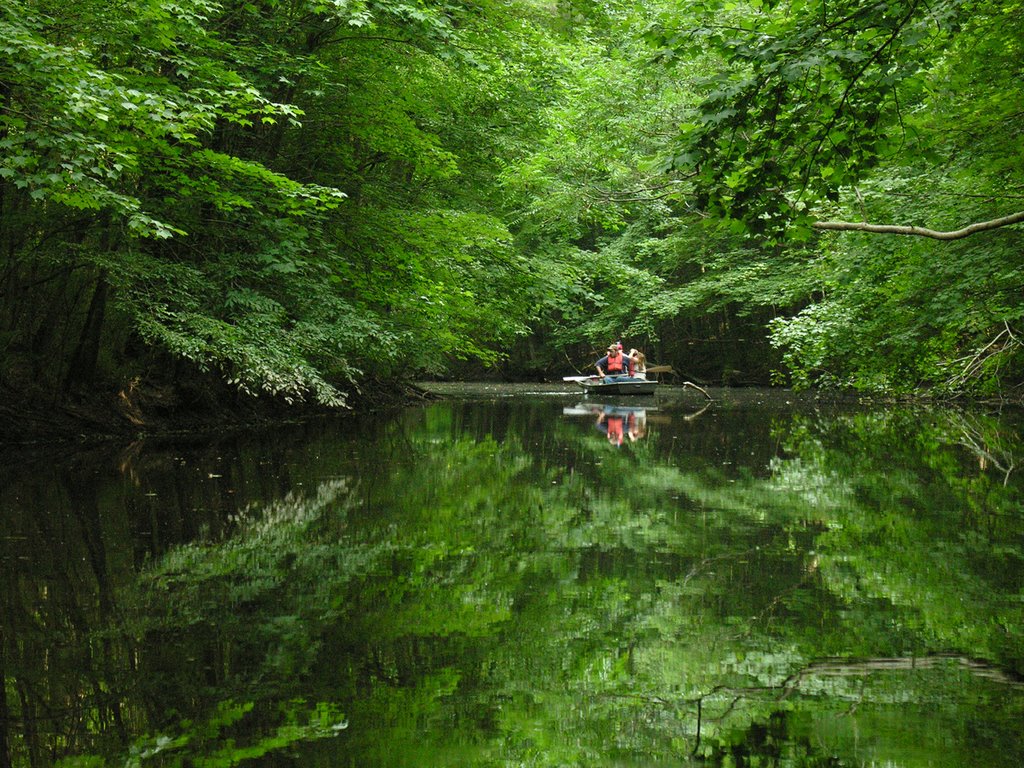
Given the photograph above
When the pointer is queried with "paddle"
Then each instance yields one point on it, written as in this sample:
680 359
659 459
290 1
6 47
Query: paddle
580 378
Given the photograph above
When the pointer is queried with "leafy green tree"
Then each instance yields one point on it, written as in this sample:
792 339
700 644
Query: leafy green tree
274 194
884 118
809 99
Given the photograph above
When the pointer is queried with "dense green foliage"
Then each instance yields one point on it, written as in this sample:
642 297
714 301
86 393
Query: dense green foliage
263 191
299 196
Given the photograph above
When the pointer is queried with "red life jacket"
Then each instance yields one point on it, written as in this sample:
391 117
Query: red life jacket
615 364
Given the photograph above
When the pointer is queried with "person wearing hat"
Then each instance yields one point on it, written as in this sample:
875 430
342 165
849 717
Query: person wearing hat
614 363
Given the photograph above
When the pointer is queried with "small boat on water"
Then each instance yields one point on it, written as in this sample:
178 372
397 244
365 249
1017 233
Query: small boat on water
615 385
623 385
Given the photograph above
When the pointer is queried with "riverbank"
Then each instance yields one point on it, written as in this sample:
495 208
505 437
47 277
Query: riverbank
30 416
667 394
196 407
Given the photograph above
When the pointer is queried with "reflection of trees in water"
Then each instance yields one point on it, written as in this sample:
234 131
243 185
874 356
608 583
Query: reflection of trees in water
876 682
863 667
87 667
990 443
482 582
62 654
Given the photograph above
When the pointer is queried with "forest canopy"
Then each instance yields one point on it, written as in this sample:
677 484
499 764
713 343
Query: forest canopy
296 198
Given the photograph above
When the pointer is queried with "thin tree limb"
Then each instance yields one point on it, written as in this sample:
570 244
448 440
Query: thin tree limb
899 229
691 384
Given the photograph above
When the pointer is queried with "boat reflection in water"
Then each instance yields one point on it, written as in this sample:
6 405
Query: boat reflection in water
626 423
619 423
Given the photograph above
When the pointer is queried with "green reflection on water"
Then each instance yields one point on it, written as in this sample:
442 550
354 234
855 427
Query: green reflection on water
498 583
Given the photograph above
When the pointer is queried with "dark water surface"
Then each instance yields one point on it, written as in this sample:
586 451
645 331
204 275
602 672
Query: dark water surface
523 578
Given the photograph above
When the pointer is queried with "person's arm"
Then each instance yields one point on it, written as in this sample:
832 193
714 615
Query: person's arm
635 362
603 360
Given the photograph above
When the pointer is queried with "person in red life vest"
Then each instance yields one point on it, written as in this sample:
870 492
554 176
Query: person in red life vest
614 363
639 360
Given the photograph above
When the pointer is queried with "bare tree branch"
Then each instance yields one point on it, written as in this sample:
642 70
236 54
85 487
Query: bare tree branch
898 229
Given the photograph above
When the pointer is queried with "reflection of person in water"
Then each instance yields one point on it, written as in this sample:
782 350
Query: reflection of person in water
613 425
617 425
637 425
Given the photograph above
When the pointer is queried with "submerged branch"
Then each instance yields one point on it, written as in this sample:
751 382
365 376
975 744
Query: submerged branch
822 668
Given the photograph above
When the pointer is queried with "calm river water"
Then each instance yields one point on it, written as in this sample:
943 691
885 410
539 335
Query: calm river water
520 577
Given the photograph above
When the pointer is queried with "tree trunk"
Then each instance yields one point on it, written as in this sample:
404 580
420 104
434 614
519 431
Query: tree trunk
82 366
5 713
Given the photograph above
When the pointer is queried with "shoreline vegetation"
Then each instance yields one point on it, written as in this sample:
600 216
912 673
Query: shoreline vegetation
225 211
168 411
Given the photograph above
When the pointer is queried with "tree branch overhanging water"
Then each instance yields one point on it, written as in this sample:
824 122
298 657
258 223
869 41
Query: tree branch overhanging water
901 229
